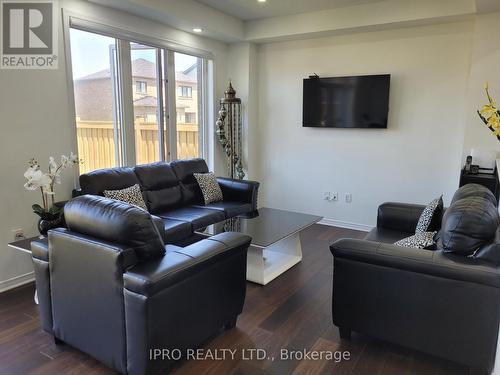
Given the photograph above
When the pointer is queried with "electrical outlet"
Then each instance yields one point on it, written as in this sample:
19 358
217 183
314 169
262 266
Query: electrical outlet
326 195
18 234
348 197
334 196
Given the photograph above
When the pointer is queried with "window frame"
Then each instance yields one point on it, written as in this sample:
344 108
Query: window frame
189 92
191 116
141 84
126 37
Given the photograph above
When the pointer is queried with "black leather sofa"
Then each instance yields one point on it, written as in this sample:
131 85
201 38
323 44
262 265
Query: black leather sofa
109 286
173 196
444 302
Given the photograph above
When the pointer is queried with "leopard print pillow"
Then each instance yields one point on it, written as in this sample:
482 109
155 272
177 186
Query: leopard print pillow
209 187
423 240
131 195
432 210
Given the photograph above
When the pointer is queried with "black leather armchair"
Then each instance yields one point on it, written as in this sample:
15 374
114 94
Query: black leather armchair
110 287
438 302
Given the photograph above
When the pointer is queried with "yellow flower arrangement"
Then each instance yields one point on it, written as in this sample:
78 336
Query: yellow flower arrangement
490 114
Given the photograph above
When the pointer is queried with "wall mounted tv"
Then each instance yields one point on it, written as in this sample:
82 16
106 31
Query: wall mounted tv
346 102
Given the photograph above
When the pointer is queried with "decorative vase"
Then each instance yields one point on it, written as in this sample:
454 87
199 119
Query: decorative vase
45 225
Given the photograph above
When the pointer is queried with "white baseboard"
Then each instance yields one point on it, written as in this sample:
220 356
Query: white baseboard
16 281
345 224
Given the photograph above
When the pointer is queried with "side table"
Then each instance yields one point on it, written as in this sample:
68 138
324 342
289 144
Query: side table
24 245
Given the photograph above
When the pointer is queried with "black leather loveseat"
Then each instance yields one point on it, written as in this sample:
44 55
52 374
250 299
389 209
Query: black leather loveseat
173 196
108 286
445 302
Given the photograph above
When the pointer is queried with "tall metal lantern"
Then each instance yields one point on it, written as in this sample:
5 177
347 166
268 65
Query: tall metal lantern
229 131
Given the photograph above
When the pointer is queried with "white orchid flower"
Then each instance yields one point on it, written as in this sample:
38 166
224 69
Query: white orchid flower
52 165
57 178
73 158
64 161
36 179
29 172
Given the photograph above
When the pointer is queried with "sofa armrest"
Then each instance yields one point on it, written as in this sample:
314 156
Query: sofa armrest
239 190
179 263
40 250
160 225
402 217
434 263
40 257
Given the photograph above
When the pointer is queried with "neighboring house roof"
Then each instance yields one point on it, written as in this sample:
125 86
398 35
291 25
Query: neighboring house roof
145 69
147 101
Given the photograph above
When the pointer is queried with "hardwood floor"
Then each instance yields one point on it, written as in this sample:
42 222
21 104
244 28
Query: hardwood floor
292 312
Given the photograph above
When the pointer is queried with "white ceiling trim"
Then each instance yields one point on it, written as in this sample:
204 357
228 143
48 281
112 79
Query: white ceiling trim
184 15
380 15
367 16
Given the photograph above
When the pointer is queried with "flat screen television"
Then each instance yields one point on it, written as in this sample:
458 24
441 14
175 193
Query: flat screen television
346 102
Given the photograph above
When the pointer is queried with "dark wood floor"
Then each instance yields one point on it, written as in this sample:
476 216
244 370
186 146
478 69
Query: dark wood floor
293 312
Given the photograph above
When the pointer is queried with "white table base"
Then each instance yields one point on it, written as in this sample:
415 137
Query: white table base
264 264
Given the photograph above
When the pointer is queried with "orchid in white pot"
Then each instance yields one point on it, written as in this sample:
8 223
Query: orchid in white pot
46 182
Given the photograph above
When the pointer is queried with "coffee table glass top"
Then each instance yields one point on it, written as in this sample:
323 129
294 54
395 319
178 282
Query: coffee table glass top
267 227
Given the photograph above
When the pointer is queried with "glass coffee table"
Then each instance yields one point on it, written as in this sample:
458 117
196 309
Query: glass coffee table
275 245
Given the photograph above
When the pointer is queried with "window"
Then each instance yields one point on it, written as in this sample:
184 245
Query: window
185 91
96 106
141 87
127 111
145 62
190 117
188 71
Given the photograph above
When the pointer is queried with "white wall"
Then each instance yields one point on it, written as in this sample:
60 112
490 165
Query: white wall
485 64
36 116
416 159
242 71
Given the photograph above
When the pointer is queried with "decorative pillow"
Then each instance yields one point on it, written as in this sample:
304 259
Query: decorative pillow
209 187
431 216
423 240
131 195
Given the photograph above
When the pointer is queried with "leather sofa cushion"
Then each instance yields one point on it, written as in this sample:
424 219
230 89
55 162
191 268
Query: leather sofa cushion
184 169
172 231
468 224
160 186
231 209
116 222
176 230
385 235
198 217
489 252
473 190
178 263
96 182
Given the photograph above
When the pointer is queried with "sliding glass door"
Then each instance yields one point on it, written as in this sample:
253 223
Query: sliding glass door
189 98
135 103
149 103
96 93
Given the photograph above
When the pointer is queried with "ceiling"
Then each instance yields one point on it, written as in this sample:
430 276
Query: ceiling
233 21
252 9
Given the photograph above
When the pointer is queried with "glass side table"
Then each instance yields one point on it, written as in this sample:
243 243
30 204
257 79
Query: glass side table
24 245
